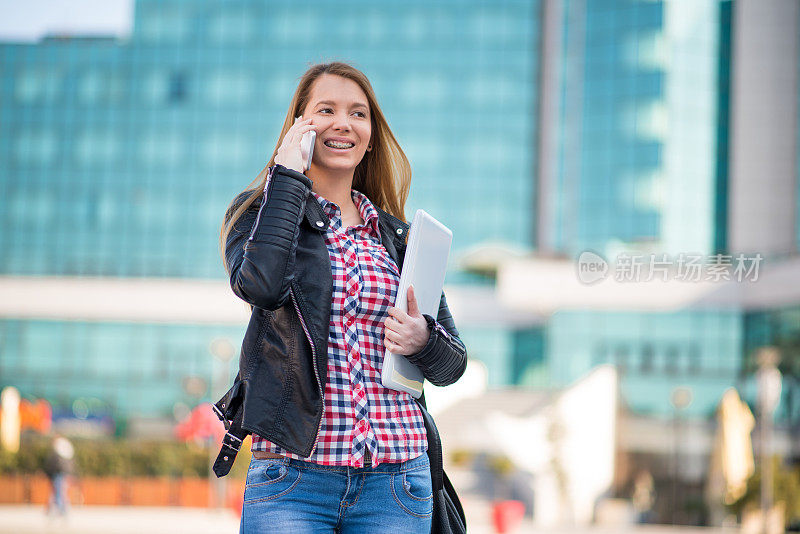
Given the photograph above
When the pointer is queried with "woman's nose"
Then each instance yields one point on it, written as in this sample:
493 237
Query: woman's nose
341 121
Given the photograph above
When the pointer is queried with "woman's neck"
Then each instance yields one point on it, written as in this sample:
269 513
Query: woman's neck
334 187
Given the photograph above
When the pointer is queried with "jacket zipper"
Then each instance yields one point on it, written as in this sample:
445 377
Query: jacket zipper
314 360
263 203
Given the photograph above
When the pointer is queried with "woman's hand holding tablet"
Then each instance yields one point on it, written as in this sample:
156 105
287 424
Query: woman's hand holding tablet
406 333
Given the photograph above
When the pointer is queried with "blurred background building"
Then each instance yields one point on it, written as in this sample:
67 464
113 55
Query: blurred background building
536 129
120 155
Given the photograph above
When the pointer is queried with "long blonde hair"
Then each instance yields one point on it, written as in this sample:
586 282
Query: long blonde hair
383 175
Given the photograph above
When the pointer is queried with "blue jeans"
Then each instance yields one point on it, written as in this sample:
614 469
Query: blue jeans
284 495
58 496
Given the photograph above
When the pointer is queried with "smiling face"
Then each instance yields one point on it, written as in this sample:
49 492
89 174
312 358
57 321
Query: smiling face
340 110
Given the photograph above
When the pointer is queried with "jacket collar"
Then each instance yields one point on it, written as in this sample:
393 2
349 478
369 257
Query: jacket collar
394 233
388 224
366 210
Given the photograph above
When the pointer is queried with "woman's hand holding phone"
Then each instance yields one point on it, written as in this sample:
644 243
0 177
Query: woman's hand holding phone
289 153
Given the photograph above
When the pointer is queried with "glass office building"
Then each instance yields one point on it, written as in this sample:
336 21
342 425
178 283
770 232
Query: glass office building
642 165
118 158
642 126
641 123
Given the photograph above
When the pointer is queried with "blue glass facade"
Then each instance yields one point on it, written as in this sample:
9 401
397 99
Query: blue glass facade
779 328
642 166
640 108
122 369
654 353
118 158
612 76
121 157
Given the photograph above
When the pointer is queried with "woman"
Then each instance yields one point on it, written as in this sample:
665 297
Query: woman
316 253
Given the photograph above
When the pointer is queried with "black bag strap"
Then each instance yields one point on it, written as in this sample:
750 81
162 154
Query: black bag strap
434 449
231 443
229 410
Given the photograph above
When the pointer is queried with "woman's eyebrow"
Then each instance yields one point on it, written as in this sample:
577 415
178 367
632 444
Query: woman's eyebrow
353 105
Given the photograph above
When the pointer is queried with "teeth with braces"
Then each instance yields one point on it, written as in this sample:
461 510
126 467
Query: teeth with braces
337 144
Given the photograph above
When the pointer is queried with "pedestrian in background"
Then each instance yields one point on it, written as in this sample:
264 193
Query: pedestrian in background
643 496
59 467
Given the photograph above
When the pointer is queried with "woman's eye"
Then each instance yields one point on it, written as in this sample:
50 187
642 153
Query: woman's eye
363 115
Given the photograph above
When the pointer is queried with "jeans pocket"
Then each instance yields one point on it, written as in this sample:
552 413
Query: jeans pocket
413 491
269 479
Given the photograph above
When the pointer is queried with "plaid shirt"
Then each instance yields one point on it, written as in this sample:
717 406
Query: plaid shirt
359 412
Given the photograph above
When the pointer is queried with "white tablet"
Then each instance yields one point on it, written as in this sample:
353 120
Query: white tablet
424 267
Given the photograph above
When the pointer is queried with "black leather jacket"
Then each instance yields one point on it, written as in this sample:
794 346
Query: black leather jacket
279 264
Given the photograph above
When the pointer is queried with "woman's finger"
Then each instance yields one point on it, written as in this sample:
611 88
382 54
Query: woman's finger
398 314
392 336
298 123
297 134
393 347
413 309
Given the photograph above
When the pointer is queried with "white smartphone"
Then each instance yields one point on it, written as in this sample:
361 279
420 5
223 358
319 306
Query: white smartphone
307 147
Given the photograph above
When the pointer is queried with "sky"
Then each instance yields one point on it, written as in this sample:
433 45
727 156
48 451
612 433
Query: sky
29 20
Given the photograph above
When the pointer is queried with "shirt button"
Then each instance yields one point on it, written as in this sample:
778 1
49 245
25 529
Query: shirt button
353 291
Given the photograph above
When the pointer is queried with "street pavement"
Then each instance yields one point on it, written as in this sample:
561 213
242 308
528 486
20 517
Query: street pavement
117 520
151 520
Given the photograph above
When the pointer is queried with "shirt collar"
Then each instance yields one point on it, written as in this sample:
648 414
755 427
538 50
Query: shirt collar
365 208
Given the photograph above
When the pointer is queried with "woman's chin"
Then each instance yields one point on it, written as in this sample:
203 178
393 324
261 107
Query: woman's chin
336 164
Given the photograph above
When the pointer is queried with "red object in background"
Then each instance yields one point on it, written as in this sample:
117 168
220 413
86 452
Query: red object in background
507 515
200 424
236 499
37 415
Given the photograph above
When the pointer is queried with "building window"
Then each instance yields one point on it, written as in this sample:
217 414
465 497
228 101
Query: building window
600 355
177 87
96 147
161 86
225 150
671 362
156 86
695 366
231 28
36 147
227 87
36 86
100 87
164 25
646 364
160 148
621 359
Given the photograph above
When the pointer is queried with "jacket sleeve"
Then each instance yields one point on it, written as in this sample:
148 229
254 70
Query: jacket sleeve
260 249
444 358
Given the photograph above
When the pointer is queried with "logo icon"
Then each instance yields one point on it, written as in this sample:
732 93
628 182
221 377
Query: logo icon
591 267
